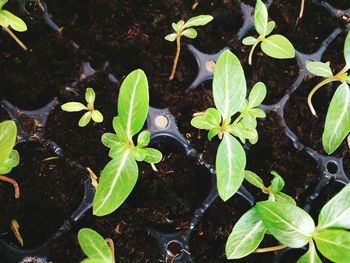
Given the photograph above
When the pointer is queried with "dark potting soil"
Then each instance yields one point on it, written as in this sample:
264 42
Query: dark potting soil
129 34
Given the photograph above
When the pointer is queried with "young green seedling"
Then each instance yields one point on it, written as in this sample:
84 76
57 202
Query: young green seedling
95 247
7 19
119 176
183 28
295 228
91 113
229 92
276 46
9 158
337 125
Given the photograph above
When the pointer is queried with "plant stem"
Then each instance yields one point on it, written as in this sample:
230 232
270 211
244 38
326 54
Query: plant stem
270 249
19 42
177 55
111 247
240 116
250 58
13 182
302 6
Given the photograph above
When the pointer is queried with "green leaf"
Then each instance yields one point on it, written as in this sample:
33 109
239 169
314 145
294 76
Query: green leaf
277 46
94 246
257 95
176 27
133 102
270 27
139 154
337 125
153 155
211 119
277 182
260 18
319 69
246 235
73 107
2 3
288 223
97 116
85 119
117 180
117 150
90 96
334 245
15 22
229 84
347 50
170 37
254 179
110 139
282 197
310 256
8 134
336 213
11 162
213 132
118 128
249 121
190 33
236 131
143 138
200 20
249 41
92 260
257 113
230 165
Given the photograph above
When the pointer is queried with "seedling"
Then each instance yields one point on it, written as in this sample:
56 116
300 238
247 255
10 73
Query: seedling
7 19
95 247
91 113
9 158
337 125
276 46
229 92
119 176
295 228
186 29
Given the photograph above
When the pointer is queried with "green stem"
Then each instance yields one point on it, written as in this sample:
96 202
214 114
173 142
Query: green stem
250 58
19 42
177 55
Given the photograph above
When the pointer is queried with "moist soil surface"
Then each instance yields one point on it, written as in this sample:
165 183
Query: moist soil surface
117 37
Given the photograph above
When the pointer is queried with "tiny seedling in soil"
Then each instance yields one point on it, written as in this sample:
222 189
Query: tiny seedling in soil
95 247
337 125
276 46
229 92
91 113
119 176
292 226
7 19
9 158
186 29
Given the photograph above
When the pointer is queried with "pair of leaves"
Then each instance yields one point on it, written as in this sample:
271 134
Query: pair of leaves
95 247
119 176
9 158
91 113
8 19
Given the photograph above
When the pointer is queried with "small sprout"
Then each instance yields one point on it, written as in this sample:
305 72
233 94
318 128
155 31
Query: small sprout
15 229
337 125
91 113
95 247
276 46
185 29
7 19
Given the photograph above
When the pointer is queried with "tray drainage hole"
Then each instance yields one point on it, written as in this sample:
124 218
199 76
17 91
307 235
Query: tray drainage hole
161 121
174 249
332 167
210 66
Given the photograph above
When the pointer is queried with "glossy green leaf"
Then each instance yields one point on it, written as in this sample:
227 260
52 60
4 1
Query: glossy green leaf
249 41
96 116
15 22
334 245
73 106
11 162
211 119
90 96
254 179
257 95
288 223
8 134
260 18
310 256
230 165
277 46
257 113
153 155
133 102
270 27
170 37
190 33
118 128
282 197
347 50
337 125
117 150
319 69
85 119
246 235
117 180
200 20
110 139
143 138
277 182
94 245
229 84
336 213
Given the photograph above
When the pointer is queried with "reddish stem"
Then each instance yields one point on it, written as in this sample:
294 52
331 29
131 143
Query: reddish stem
13 182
